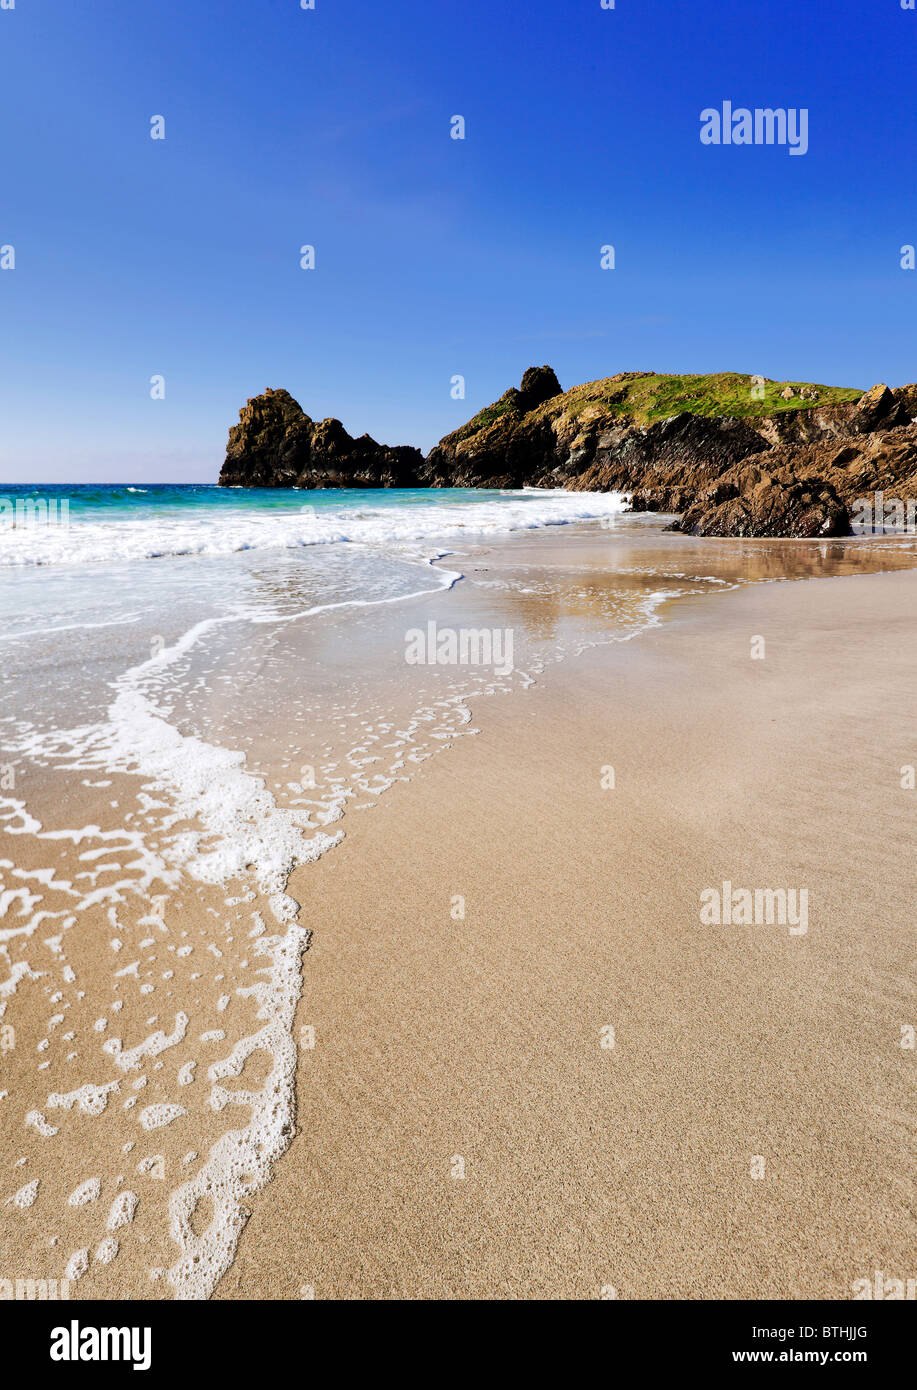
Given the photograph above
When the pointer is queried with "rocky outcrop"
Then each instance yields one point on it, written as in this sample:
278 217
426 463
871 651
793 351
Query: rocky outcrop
665 465
792 461
878 409
794 472
506 445
821 484
767 504
275 444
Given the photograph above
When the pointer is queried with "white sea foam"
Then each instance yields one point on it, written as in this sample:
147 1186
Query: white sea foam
131 1058
77 1265
223 529
243 828
240 1162
89 1099
35 1120
159 1115
87 1192
122 1210
25 1197
243 833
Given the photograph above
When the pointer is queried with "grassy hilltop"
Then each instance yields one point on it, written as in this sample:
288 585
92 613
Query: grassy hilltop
647 396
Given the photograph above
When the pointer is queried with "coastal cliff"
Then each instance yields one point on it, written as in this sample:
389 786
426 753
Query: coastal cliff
733 456
275 444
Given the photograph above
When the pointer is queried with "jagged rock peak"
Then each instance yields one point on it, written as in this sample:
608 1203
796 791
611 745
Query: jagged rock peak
539 384
275 444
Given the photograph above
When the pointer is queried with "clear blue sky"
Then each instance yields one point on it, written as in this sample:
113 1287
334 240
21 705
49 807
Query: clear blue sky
435 257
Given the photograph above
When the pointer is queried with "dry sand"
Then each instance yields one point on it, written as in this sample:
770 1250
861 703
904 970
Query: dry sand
461 1131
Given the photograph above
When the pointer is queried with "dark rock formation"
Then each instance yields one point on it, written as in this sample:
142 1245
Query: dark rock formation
507 445
907 397
796 471
665 465
275 444
665 462
764 504
821 482
878 409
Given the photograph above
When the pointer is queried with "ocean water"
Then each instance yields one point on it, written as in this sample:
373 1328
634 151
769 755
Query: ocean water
131 522
121 555
157 631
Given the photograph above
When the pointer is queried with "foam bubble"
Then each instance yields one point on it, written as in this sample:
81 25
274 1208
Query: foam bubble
159 1115
240 1162
121 1212
87 1192
25 1197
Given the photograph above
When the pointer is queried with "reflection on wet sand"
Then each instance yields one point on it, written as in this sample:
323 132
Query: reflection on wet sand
585 574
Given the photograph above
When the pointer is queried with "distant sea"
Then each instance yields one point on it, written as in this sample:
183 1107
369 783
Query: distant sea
140 559
100 524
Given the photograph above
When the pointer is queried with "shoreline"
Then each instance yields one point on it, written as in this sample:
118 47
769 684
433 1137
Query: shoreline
627 1167
561 589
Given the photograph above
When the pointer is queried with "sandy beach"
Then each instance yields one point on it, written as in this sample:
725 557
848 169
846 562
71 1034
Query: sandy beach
463 1133
517 1064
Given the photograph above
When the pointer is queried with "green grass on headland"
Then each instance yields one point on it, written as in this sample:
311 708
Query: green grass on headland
647 396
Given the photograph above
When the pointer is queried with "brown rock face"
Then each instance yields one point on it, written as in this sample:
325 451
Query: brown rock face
275 444
822 483
879 409
539 384
506 445
797 472
562 442
761 504
666 464
906 396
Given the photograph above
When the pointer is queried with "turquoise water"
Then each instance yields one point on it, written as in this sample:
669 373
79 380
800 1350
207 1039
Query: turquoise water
99 525
92 575
127 499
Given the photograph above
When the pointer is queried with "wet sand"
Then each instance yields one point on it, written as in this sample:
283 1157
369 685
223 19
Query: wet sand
459 1128
586 1168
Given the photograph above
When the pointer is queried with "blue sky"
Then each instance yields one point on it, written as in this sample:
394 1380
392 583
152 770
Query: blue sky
434 257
